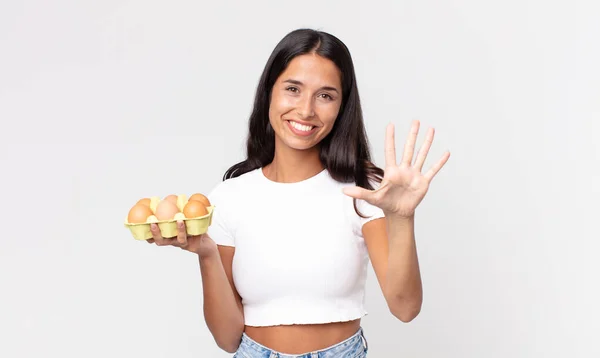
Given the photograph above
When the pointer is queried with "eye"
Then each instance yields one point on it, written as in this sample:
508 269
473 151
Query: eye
327 97
292 89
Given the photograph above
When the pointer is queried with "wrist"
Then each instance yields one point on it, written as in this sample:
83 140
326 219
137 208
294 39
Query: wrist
400 218
208 256
399 225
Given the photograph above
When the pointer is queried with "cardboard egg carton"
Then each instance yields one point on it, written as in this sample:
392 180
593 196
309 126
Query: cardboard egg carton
168 228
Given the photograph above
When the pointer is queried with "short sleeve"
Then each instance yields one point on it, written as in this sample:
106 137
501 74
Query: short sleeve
220 229
371 212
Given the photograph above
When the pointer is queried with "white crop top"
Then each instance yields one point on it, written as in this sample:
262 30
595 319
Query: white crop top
300 257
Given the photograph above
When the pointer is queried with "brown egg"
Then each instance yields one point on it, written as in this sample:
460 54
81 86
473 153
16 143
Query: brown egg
166 210
201 198
172 198
144 201
194 209
139 213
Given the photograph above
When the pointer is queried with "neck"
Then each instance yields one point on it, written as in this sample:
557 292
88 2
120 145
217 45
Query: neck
291 165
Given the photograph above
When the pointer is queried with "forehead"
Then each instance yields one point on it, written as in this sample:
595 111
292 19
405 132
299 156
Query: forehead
312 70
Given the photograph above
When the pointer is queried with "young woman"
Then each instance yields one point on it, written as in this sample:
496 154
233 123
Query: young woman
284 262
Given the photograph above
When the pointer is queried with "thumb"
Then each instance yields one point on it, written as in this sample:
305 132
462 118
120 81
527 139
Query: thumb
357 192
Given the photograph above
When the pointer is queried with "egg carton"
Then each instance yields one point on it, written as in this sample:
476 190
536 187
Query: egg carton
168 228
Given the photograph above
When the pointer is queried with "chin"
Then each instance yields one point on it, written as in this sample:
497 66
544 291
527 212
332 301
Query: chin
297 144
301 146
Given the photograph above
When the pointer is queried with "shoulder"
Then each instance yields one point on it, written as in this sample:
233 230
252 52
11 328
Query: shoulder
229 189
226 197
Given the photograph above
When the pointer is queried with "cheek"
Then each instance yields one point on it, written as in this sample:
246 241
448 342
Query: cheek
329 114
279 106
280 102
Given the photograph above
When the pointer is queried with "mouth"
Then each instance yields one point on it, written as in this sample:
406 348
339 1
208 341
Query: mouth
301 129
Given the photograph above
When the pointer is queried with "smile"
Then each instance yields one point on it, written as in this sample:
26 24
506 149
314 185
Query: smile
301 129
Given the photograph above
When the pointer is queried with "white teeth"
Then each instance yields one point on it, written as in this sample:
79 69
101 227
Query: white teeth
301 127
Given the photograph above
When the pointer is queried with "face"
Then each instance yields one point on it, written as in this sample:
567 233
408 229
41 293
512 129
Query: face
305 102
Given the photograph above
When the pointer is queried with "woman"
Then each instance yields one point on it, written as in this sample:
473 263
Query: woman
284 262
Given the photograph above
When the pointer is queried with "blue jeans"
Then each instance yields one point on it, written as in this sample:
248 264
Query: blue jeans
353 347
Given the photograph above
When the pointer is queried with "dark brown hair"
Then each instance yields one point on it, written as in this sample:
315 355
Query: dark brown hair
345 151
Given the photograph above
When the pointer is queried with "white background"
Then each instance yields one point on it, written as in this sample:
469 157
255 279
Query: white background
104 102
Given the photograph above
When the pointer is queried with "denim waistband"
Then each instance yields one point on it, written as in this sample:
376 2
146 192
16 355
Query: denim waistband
347 347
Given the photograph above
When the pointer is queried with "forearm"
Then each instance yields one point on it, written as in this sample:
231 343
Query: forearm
222 314
404 291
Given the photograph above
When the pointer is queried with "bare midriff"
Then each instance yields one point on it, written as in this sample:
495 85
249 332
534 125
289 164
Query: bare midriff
298 339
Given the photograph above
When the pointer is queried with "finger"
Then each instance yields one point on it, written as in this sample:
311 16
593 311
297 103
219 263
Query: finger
150 241
424 149
157 236
357 192
436 168
409 147
390 146
181 234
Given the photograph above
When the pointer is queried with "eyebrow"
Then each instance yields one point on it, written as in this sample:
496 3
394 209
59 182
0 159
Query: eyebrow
296 82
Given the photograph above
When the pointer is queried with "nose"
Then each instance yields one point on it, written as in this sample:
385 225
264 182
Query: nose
305 107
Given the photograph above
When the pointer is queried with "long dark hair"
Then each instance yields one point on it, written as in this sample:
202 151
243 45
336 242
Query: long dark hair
345 151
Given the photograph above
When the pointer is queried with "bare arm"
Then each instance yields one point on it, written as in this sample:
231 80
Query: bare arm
392 249
403 284
222 304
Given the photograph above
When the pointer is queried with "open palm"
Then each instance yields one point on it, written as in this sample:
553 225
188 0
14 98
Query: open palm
404 185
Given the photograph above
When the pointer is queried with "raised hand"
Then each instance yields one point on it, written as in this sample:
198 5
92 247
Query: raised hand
404 185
